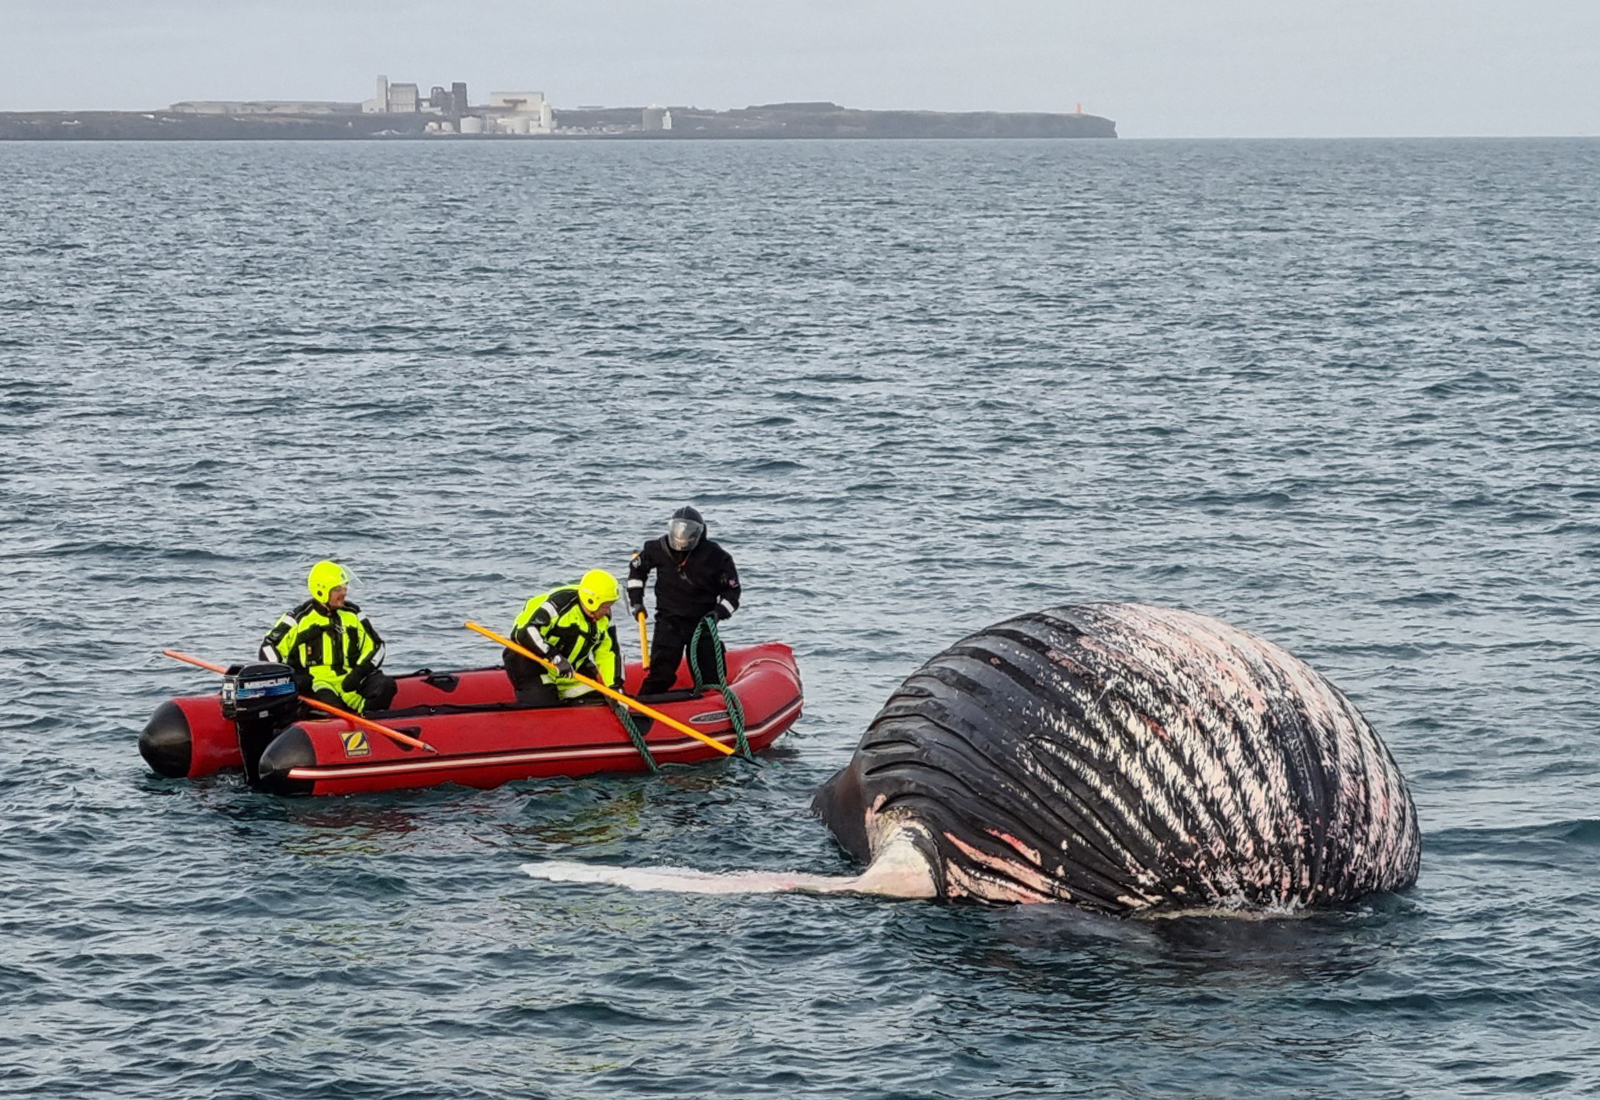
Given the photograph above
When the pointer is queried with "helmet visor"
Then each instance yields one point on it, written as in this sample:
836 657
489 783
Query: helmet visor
684 533
327 576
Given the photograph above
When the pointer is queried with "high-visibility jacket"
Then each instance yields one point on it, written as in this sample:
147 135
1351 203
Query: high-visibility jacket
555 624
337 649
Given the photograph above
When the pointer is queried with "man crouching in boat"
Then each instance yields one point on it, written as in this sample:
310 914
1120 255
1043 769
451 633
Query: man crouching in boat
571 628
332 647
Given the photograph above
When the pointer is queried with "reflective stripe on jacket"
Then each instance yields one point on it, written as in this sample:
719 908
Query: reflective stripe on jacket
690 584
555 623
327 644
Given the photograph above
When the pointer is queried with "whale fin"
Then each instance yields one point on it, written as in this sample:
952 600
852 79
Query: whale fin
898 871
685 880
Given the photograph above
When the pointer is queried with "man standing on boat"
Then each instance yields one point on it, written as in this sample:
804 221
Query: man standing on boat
334 650
695 581
571 628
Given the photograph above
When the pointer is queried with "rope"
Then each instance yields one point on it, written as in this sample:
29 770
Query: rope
729 699
626 717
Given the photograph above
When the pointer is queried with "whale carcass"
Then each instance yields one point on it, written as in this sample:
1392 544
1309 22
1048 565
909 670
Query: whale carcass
1115 756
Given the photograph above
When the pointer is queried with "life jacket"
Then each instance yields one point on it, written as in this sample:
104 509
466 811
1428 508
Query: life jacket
555 624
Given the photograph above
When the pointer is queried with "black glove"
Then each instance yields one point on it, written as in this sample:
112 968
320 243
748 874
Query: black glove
355 678
563 666
638 610
720 613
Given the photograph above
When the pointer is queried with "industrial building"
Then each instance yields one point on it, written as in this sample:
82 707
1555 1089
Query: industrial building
440 112
518 113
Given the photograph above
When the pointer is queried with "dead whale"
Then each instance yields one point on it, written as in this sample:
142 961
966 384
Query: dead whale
1123 758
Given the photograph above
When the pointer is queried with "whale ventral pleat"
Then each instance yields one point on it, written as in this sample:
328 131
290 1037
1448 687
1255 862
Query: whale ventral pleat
1127 758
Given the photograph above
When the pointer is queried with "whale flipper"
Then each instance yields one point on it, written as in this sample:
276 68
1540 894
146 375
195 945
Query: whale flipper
1121 758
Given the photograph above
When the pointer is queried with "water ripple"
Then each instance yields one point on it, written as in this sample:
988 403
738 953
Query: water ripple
1341 393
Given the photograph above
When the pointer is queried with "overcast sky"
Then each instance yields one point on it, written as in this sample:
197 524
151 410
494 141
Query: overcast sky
1160 68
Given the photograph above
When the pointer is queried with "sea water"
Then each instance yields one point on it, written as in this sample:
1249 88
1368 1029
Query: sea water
1341 394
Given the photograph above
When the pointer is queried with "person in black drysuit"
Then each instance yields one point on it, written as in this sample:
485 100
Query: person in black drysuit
695 579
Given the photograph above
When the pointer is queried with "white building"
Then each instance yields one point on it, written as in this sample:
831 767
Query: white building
392 99
520 113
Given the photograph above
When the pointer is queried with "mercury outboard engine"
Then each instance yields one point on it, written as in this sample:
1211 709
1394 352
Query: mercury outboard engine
261 700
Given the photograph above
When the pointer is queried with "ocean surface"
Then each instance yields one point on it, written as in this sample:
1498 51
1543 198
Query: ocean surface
1345 395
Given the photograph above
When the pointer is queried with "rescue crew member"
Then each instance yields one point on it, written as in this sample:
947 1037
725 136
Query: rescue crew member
571 628
695 579
334 650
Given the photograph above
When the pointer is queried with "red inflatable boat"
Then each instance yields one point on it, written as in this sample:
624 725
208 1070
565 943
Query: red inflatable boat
482 736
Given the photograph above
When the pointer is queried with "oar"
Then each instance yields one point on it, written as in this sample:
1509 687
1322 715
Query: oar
318 704
644 641
632 704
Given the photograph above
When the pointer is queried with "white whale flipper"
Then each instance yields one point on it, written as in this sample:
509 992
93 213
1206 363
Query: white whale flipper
897 871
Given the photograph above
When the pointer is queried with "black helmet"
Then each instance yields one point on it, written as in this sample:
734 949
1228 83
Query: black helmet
684 529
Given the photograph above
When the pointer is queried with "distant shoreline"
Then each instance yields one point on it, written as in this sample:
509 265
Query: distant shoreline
783 120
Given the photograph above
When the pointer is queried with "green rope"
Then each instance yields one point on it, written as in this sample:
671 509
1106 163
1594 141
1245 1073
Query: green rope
729 699
637 738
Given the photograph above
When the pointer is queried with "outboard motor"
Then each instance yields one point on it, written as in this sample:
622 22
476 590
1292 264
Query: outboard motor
261 700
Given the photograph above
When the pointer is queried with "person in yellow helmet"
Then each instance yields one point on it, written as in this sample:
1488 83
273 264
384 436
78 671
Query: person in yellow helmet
571 628
334 650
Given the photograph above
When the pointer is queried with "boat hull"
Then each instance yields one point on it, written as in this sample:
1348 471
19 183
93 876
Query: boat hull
483 737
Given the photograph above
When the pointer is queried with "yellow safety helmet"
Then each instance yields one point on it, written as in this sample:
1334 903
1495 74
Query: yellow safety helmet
325 577
597 589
